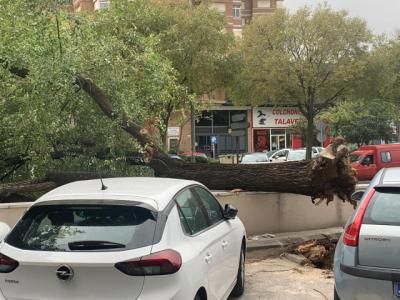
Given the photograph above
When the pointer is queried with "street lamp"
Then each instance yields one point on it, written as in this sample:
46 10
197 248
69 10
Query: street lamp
211 118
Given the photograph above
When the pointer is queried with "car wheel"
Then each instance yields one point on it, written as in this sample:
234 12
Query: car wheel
238 290
335 295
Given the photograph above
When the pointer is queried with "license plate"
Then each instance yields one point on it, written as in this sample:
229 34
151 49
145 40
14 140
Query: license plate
397 289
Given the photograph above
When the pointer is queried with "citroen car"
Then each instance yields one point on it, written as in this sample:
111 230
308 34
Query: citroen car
125 238
366 263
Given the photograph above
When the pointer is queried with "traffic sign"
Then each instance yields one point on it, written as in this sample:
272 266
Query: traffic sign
214 140
238 117
241 125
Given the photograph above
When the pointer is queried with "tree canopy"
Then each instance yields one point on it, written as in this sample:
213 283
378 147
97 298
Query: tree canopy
363 121
309 59
51 58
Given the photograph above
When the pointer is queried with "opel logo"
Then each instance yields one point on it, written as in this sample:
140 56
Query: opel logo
65 273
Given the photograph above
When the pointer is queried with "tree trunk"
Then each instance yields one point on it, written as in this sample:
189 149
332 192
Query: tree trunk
309 135
329 175
321 178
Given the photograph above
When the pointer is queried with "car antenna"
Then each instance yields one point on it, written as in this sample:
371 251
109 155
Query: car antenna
103 187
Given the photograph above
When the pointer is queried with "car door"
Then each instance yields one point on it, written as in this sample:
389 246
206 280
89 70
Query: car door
206 240
229 241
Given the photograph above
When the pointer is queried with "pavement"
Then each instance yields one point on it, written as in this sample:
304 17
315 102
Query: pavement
267 245
269 276
280 279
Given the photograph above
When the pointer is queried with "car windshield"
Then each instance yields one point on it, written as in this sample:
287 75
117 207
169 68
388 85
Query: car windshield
84 227
255 157
297 155
355 157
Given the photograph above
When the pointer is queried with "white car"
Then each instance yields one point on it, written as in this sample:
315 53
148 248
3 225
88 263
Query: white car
255 158
278 155
133 238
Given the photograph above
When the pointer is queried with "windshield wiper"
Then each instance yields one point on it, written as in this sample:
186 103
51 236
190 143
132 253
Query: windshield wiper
94 245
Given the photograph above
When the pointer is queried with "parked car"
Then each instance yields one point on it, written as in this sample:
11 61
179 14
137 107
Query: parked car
174 156
368 160
315 150
278 155
199 157
133 238
366 263
255 158
291 155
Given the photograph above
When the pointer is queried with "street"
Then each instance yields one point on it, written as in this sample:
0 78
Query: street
280 279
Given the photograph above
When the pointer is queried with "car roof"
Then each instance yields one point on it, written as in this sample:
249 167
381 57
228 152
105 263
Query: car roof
390 177
380 146
153 191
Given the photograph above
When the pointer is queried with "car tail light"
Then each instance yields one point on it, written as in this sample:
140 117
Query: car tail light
352 232
7 264
159 263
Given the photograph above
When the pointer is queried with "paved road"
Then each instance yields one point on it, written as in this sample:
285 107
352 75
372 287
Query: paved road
280 279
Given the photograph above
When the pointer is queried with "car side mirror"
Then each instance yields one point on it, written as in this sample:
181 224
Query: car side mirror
230 212
356 196
4 230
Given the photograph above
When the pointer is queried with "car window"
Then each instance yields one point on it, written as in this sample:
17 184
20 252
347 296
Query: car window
368 160
193 218
212 206
386 157
354 157
55 227
384 209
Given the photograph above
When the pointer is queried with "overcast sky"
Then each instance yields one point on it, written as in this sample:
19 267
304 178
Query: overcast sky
383 16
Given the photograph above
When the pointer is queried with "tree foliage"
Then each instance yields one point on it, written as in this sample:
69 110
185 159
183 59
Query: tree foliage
46 115
309 59
364 121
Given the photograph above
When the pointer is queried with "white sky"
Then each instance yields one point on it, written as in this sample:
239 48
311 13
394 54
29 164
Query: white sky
382 16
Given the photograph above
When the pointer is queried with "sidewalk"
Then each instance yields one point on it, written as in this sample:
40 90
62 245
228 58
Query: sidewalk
266 245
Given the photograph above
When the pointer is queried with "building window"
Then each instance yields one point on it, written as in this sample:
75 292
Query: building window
236 11
101 4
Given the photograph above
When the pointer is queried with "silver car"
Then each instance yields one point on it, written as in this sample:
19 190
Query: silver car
367 258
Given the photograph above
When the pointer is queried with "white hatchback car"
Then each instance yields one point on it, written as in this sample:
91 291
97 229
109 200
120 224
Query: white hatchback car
134 238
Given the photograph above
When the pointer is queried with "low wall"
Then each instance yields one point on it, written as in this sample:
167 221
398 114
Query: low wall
274 212
260 212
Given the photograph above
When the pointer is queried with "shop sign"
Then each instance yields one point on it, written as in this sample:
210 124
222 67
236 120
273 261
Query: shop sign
173 131
276 117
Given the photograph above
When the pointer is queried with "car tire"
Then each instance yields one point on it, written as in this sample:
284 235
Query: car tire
335 295
238 290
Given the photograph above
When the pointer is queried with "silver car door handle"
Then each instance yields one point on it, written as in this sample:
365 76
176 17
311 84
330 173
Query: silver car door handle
208 258
224 244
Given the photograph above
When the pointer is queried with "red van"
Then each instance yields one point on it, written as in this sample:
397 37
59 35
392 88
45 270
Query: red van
368 160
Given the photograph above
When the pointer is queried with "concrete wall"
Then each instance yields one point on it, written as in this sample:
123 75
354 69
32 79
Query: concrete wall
274 212
260 212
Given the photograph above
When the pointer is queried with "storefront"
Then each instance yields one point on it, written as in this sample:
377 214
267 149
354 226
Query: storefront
214 135
273 128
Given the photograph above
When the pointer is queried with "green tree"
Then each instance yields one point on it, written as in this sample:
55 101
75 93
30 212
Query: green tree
310 59
363 121
47 113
